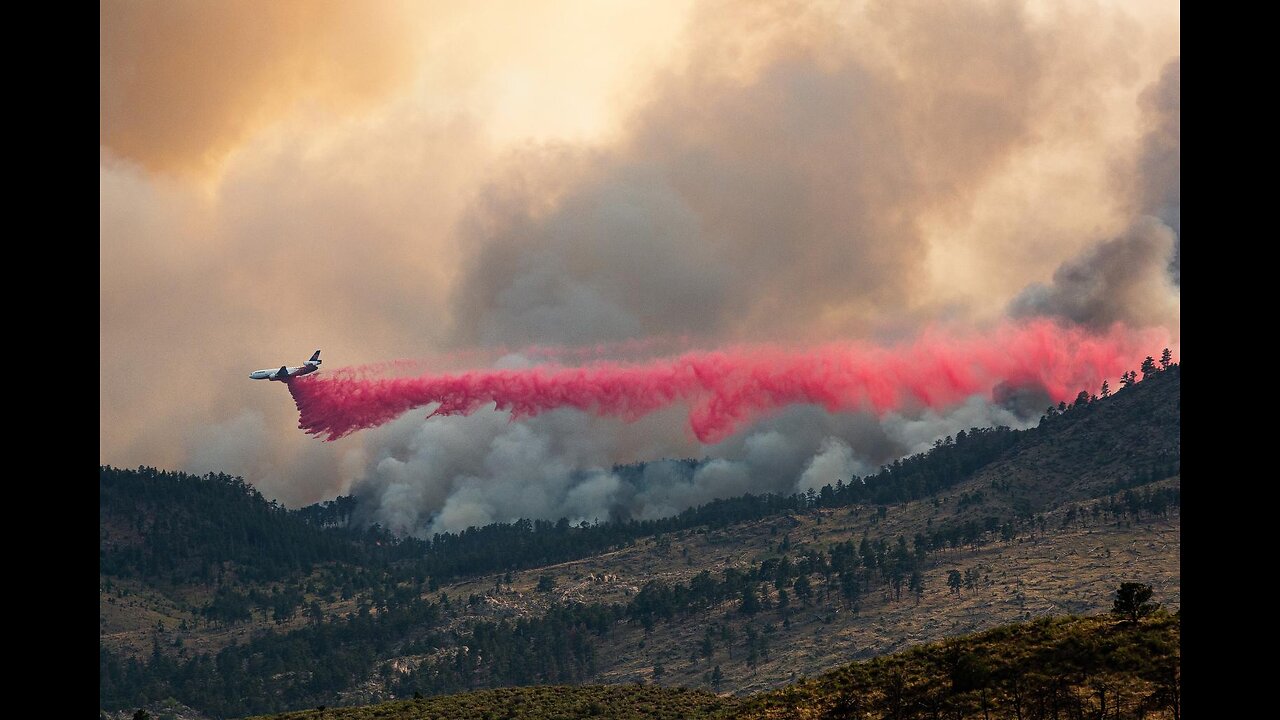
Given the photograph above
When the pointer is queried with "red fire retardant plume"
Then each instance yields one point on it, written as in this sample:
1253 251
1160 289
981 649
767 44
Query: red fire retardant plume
726 389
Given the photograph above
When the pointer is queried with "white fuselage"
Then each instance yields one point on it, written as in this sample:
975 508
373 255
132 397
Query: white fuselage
284 373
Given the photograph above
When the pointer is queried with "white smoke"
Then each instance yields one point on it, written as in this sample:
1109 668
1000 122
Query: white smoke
834 461
448 474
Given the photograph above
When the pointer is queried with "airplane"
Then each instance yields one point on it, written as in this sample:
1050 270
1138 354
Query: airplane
286 373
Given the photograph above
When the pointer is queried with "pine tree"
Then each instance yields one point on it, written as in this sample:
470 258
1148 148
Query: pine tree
1166 359
917 585
1106 389
1133 602
1148 367
803 589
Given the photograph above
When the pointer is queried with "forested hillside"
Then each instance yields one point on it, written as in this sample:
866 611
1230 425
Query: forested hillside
231 604
1054 667
165 524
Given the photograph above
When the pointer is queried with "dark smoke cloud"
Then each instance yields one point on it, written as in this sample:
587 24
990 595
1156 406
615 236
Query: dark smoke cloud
1160 163
768 199
1121 280
747 203
788 174
1133 278
1025 401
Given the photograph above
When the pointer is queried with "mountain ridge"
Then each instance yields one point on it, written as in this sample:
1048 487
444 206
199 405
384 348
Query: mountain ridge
1026 542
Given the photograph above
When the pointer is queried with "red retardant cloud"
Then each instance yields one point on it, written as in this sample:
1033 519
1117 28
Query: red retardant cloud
726 389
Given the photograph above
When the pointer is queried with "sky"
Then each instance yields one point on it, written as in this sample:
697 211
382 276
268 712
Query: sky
470 185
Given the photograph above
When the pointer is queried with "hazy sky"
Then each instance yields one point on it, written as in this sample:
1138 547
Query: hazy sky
429 179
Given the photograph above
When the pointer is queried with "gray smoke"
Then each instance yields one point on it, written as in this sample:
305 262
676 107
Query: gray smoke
1160 160
1160 163
747 207
1121 280
237 447
767 199
447 474
1133 278
792 171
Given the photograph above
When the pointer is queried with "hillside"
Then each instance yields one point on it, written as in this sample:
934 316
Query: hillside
185 528
1061 666
986 528
1068 666
1062 569
620 702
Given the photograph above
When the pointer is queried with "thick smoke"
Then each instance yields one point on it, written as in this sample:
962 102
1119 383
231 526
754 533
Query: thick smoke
1160 162
763 195
1122 280
730 388
1133 278
447 474
795 172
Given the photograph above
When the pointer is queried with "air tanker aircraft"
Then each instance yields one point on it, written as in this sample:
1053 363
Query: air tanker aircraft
285 373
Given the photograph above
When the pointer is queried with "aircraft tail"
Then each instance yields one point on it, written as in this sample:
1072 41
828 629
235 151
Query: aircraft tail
315 358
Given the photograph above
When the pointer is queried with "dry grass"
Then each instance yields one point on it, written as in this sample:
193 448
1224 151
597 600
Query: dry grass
1071 570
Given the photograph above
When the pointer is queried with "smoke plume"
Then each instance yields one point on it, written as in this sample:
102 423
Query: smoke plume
1126 279
449 473
590 186
1133 278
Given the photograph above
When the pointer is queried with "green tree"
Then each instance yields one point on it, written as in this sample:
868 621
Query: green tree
546 583
803 589
783 573
850 588
1148 367
1133 602
1106 389
717 677
1166 359
954 581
